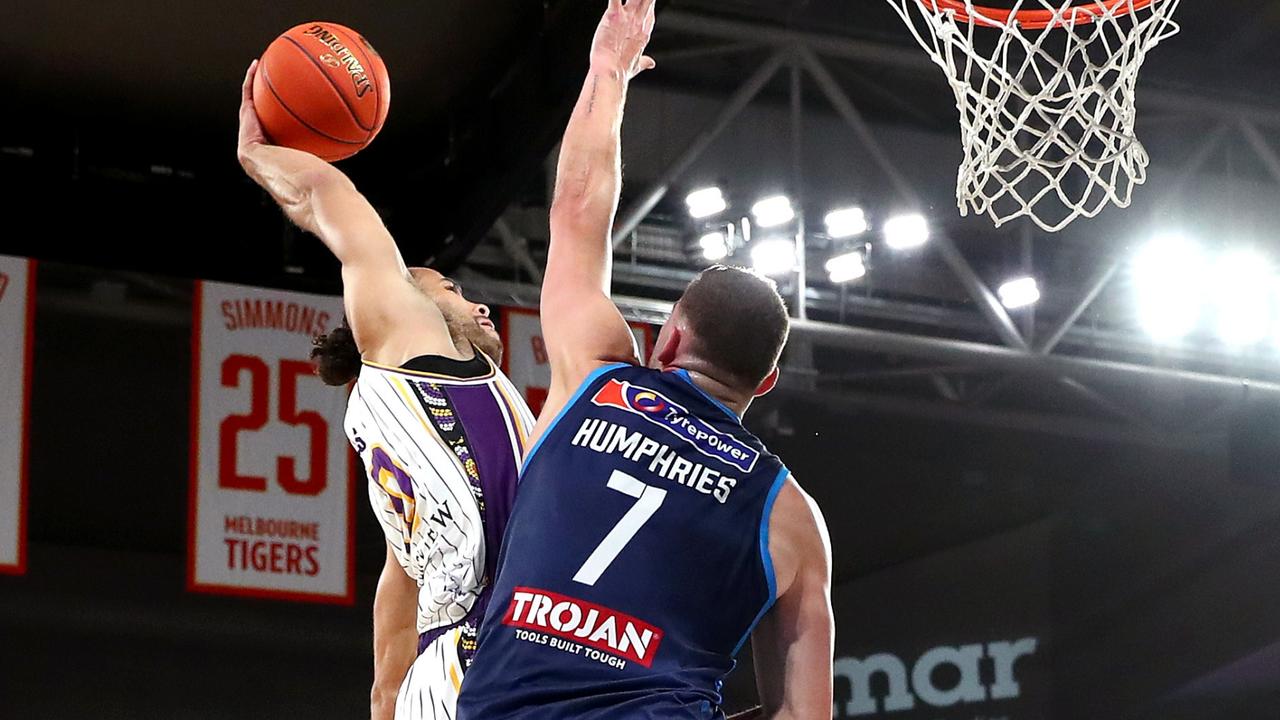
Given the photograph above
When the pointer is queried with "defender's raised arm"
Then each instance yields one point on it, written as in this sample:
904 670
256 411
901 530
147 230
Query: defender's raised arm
580 324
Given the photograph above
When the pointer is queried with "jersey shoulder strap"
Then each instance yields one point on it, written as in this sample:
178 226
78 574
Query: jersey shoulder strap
590 380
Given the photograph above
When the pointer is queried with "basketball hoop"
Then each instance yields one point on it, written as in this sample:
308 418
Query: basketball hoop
1046 94
1035 19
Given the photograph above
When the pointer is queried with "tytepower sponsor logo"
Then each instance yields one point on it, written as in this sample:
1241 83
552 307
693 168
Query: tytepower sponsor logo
661 411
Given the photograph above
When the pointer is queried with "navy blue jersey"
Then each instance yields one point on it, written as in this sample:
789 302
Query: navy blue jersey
636 561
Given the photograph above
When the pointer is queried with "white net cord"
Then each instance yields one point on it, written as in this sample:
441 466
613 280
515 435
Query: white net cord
1047 115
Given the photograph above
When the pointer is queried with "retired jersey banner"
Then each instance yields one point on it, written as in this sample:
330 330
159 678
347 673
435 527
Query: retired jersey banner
17 313
271 498
525 358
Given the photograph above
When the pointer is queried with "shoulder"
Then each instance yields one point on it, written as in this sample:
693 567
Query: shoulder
391 318
596 371
798 538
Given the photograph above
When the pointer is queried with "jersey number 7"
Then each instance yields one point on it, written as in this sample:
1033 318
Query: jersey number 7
648 500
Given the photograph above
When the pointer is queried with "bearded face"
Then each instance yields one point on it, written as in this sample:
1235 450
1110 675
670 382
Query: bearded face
466 325
468 322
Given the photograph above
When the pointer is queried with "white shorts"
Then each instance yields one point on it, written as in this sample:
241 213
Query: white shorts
430 689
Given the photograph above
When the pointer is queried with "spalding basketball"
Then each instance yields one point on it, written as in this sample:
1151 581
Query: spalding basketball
322 88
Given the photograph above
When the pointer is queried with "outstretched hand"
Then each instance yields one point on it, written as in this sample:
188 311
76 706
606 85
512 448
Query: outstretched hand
622 36
250 127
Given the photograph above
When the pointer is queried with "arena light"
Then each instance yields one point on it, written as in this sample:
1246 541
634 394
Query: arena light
1168 279
904 232
715 246
846 268
1243 291
1275 318
706 202
773 211
1020 293
774 257
846 222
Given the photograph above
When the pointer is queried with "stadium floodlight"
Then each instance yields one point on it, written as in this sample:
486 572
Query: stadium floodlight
773 211
903 232
1275 317
706 202
846 267
714 246
1020 293
846 222
1243 285
1168 277
774 257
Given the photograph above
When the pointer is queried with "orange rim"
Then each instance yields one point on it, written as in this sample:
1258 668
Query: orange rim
1037 19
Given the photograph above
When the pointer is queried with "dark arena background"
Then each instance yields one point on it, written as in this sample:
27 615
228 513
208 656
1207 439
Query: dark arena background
1064 506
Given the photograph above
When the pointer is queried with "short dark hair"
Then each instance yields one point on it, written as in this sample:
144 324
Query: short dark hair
336 356
739 322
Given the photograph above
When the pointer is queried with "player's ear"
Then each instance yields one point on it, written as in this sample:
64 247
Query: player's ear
670 346
768 384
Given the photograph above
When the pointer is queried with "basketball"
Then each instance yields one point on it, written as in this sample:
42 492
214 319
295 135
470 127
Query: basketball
322 88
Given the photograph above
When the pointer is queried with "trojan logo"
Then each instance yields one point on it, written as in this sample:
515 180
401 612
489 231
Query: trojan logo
659 410
585 623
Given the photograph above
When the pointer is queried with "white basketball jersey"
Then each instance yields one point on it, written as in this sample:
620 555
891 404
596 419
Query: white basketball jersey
442 442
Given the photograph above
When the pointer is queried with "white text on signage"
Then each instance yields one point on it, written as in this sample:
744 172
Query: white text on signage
902 696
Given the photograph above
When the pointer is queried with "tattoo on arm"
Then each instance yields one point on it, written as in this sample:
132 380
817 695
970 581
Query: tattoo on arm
595 85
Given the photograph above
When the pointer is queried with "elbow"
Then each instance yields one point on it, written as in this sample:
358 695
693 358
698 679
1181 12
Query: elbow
584 217
563 224
568 211
581 197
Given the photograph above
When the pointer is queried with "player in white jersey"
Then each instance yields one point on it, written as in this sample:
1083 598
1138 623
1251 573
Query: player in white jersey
442 442
440 430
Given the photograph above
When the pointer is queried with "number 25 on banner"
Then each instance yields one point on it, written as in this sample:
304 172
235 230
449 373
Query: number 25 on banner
286 467
271 475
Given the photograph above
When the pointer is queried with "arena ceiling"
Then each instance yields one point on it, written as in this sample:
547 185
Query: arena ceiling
155 65
121 142
480 88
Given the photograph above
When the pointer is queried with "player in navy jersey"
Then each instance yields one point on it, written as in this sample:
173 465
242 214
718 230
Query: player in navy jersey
652 534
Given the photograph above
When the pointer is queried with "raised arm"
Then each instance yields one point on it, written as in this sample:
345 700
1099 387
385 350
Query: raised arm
794 642
384 307
580 324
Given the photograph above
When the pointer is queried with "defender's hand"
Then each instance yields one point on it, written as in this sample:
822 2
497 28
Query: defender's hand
251 133
621 38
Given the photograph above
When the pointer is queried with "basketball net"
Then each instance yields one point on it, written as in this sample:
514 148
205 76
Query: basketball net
1046 99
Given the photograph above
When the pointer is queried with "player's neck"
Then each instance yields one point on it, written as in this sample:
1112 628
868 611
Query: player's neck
704 377
456 350
464 349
